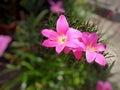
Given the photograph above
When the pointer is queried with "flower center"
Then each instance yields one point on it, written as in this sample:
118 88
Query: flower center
62 39
90 48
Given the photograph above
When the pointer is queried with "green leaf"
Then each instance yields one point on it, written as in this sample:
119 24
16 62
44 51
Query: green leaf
110 67
12 67
27 65
24 81
39 17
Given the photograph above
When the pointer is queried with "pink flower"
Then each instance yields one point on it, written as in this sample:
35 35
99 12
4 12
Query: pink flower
93 49
110 14
4 41
56 7
103 86
76 51
65 36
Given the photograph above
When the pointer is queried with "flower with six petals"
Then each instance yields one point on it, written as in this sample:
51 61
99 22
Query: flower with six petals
65 36
93 48
103 86
56 7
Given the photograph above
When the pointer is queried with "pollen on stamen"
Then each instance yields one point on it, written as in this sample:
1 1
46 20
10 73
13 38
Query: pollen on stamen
62 39
91 49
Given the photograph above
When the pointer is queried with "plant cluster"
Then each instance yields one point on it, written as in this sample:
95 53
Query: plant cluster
36 67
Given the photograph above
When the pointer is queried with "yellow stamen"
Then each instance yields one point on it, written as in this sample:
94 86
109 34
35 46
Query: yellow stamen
92 49
62 39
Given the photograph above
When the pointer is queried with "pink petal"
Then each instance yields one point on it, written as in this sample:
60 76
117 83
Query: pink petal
4 41
82 45
54 9
99 85
51 34
67 50
86 34
101 47
62 25
78 54
107 86
59 48
85 37
100 59
73 33
61 10
51 2
90 56
59 3
93 38
49 43
57 10
74 43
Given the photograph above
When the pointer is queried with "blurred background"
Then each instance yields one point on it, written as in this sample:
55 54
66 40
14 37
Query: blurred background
21 18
